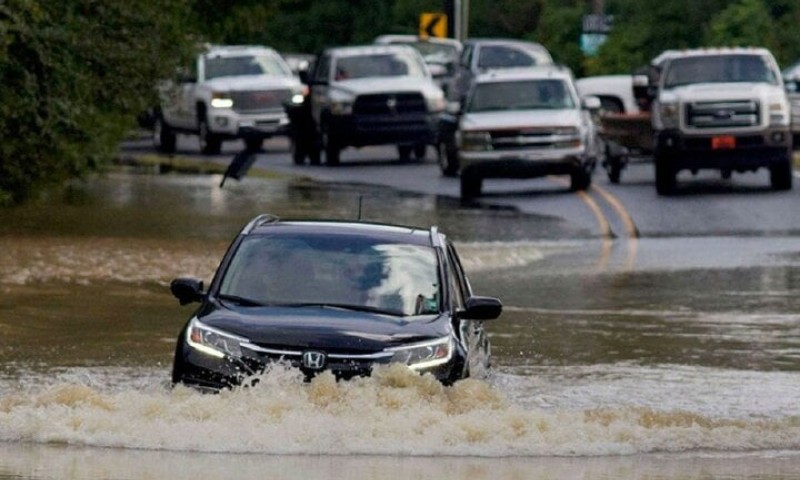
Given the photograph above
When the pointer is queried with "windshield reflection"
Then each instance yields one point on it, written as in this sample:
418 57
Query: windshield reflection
216 67
340 271
523 95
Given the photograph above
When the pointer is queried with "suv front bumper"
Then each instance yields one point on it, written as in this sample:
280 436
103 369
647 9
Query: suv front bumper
524 164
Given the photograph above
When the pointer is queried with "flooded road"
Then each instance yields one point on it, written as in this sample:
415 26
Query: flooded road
656 358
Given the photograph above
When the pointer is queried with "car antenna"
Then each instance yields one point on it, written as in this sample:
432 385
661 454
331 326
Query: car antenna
360 199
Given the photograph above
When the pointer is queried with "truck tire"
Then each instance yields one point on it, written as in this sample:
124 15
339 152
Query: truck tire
210 144
780 175
299 152
580 180
470 186
404 152
665 174
420 150
164 138
331 147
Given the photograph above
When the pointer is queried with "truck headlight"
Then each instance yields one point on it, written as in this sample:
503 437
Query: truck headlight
435 102
424 355
221 100
212 341
669 114
475 141
778 113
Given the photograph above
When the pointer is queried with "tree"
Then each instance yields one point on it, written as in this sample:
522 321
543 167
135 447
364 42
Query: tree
75 73
743 23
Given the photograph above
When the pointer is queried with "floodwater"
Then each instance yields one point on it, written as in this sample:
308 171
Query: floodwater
610 361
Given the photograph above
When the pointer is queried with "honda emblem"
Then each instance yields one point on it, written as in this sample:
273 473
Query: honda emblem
314 360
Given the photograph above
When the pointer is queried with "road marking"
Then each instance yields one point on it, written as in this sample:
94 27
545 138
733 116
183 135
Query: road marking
608 235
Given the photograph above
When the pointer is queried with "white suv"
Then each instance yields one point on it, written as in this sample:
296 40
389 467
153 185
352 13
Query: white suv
232 92
520 123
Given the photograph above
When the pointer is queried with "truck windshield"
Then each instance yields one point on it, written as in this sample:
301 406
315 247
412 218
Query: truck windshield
393 64
546 94
234 66
718 69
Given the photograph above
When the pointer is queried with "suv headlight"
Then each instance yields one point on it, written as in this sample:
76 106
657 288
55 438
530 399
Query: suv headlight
669 114
221 100
213 341
475 141
424 355
567 137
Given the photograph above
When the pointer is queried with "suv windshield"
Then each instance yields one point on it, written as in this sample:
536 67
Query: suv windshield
336 270
550 94
718 69
227 66
393 64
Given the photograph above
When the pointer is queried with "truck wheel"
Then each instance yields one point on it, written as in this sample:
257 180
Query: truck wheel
210 144
420 150
781 176
331 147
404 152
580 180
164 138
665 175
470 186
448 159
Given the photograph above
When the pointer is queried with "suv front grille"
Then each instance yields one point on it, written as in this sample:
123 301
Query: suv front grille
389 104
529 138
259 100
722 114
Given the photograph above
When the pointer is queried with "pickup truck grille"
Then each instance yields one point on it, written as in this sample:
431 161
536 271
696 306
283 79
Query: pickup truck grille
259 100
722 114
389 104
529 138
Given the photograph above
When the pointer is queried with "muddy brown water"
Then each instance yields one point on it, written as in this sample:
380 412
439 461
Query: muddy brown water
652 368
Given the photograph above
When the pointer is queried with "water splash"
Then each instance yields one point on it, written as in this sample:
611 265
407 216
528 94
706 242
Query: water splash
395 412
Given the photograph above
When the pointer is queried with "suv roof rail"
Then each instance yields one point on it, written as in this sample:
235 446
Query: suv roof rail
436 240
258 221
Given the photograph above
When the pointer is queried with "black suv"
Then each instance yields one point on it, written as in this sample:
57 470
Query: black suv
330 295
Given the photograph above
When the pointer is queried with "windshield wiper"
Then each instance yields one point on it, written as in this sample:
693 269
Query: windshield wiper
247 302
346 306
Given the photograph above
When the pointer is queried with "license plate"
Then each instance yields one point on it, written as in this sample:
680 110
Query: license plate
723 143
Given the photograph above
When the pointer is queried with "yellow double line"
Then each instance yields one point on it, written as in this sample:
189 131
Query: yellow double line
608 235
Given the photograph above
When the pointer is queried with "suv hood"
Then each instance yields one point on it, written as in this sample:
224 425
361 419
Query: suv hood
252 82
326 328
362 86
720 91
521 119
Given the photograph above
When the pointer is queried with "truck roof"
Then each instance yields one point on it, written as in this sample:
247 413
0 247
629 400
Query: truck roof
525 73
702 52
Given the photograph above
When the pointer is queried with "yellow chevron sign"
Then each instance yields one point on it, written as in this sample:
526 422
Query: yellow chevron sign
433 25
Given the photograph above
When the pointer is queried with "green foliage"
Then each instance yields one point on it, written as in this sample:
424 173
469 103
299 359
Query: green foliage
74 75
742 23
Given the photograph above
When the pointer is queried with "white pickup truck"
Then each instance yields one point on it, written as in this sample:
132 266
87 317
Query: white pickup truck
723 109
231 92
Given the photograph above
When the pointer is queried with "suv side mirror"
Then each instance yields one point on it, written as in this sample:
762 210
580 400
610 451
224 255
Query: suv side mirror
187 290
482 308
